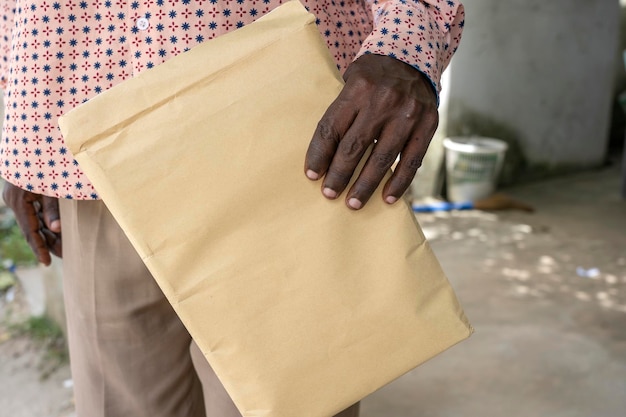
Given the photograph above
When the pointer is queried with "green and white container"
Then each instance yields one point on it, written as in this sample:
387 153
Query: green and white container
472 167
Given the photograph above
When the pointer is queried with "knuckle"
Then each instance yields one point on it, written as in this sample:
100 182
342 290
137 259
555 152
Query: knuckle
365 187
51 206
339 178
316 151
414 163
403 176
403 181
351 148
362 84
389 97
383 160
412 110
327 131
415 110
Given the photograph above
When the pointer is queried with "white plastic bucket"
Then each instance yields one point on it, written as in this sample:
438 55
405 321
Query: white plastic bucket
472 167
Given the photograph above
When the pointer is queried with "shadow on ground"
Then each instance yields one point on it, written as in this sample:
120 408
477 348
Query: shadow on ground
547 295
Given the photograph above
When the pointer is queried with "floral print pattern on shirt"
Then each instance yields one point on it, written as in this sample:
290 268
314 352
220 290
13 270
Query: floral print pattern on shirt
57 54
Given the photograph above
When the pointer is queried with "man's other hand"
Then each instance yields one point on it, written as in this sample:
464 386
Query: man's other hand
386 102
38 217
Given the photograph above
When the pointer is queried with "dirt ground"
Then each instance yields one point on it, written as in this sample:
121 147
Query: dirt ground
34 381
546 293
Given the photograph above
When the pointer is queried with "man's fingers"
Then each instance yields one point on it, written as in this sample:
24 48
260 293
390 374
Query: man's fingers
26 205
28 220
57 248
409 135
50 225
379 162
328 133
411 159
39 246
53 242
51 216
385 100
359 137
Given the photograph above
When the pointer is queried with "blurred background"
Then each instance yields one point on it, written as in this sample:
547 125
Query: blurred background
540 269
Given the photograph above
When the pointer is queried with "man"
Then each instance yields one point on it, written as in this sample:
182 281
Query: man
130 355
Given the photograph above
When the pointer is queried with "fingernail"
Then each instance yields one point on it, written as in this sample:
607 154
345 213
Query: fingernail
391 199
329 193
312 175
55 226
355 203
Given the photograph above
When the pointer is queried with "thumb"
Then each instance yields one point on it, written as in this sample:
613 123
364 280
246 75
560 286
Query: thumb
51 216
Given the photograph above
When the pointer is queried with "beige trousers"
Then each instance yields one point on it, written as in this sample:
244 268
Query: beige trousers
130 354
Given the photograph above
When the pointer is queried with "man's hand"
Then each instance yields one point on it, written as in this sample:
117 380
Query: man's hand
385 102
38 217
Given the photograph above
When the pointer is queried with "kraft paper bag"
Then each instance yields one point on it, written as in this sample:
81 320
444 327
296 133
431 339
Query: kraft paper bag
301 306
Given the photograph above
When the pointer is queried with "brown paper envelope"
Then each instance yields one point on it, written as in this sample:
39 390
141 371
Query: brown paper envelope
301 306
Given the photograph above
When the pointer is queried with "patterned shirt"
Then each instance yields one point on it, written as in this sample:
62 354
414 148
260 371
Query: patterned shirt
57 54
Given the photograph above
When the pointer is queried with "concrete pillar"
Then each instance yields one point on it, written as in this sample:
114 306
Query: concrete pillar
539 73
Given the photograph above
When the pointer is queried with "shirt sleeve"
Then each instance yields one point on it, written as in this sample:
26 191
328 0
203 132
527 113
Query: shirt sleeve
7 15
422 33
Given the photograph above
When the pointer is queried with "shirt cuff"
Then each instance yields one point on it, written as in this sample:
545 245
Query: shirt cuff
422 35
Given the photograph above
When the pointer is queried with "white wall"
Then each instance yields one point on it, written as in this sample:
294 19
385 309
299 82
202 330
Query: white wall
543 68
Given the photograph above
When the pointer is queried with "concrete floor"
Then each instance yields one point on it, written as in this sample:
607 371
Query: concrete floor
548 342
